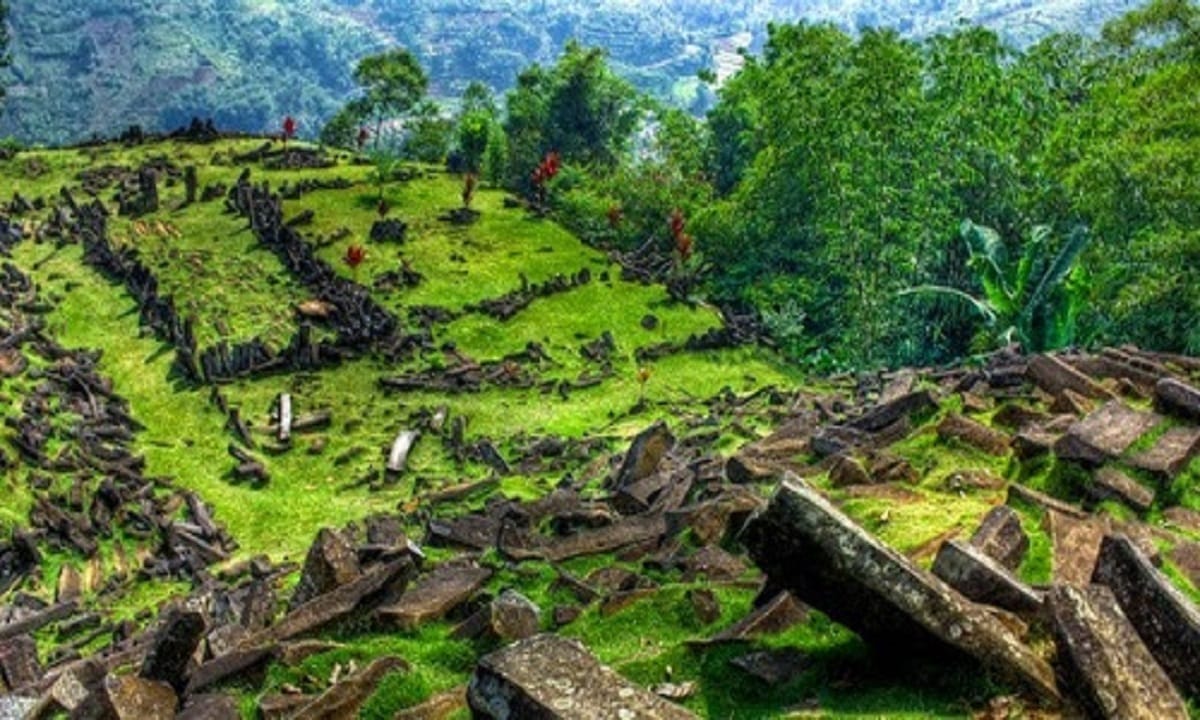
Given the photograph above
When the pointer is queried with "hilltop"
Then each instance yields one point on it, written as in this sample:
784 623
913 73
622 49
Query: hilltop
341 451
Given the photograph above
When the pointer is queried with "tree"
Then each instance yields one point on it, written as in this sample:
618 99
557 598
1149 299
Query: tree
342 129
476 118
427 134
478 97
393 83
579 108
495 157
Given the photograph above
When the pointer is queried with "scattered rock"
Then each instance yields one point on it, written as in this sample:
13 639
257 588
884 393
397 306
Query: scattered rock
1053 375
514 616
436 594
439 707
774 667
848 471
129 697
645 454
675 691
1165 619
982 579
1177 398
566 614
886 467
1033 443
1172 452
331 562
713 563
705 605
551 678
76 685
780 612
345 698
216 706
1183 518
1105 662
1112 484
878 593
1001 537
19 665
17 707
970 432
1076 545
887 414
174 645
1105 434
1186 556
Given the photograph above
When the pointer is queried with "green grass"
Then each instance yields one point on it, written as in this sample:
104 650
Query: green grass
215 271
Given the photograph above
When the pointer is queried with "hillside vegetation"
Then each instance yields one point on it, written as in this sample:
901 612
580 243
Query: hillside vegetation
96 66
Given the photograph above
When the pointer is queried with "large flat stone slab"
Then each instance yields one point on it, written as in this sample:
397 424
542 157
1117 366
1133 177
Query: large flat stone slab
436 594
809 547
977 576
1001 537
551 678
1105 434
1177 398
1112 484
1108 666
1162 616
1054 376
1172 452
882 416
975 434
1076 543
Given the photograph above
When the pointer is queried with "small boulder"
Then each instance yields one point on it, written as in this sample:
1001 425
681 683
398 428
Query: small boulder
1001 537
331 562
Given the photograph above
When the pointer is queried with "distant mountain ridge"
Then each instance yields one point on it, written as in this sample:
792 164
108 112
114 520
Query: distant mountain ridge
85 67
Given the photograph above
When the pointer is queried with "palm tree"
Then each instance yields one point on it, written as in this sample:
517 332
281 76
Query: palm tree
1034 301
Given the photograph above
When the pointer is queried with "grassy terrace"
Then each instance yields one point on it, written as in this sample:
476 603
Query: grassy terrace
211 264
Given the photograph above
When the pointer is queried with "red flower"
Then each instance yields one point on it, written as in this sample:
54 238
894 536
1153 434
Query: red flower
363 136
289 127
677 223
547 169
683 244
468 192
355 254
683 241
615 216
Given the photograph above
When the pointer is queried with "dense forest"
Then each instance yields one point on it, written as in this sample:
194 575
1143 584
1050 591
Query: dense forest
885 201
83 67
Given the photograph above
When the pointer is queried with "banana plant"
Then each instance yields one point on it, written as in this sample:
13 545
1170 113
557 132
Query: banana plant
1034 301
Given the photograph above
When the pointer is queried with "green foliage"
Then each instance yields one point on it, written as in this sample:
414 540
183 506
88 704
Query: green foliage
1034 301
428 134
578 108
342 129
392 82
495 156
474 134
850 161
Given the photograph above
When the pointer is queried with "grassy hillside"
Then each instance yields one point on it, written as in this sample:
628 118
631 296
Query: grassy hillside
561 390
